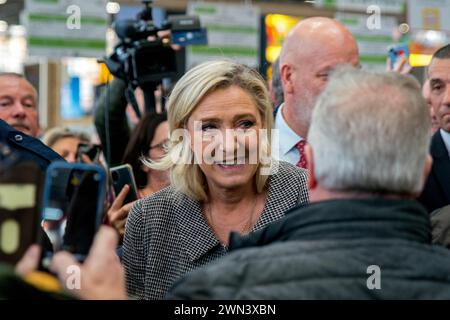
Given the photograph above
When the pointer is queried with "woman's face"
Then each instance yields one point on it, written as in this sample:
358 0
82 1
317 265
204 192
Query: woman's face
67 148
224 132
160 137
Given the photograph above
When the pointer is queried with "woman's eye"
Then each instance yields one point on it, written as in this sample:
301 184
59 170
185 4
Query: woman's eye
208 126
246 124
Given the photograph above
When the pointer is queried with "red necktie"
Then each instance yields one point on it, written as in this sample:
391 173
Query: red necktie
301 150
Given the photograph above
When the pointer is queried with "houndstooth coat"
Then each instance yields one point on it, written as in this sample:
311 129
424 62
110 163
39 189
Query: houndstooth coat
167 236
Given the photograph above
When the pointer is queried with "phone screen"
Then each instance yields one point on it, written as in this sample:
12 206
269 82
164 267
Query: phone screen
73 207
120 176
20 196
398 51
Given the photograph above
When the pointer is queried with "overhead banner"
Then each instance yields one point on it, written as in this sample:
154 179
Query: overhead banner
386 6
429 14
65 28
374 43
233 32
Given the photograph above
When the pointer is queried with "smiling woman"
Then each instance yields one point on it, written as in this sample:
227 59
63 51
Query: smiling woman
222 178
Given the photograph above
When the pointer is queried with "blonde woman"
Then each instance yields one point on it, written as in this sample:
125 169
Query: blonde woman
223 179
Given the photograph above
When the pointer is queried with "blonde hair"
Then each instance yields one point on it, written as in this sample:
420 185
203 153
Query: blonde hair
54 134
185 175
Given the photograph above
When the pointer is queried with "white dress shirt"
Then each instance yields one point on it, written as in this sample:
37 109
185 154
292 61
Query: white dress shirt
284 140
446 137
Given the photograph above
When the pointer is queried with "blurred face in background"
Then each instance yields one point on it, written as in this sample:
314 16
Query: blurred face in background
439 78
156 152
160 138
18 104
67 148
426 93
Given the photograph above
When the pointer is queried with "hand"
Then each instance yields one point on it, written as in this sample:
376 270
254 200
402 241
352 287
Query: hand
118 213
85 159
101 275
401 66
29 261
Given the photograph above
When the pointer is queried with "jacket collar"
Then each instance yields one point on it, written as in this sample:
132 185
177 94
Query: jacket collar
441 162
345 219
197 237
22 140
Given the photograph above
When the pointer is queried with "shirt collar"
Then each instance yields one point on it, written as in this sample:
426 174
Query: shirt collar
287 138
446 138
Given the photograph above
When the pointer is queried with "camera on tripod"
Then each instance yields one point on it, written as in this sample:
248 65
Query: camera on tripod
142 58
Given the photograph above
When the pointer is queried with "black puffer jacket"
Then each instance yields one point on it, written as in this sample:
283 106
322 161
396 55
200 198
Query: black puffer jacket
323 251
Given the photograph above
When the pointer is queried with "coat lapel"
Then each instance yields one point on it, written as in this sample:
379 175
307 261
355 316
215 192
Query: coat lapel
441 165
196 235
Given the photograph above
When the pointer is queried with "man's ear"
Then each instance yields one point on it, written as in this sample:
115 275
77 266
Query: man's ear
427 168
286 78
312 182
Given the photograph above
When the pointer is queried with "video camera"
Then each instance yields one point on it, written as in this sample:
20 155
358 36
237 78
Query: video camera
143 58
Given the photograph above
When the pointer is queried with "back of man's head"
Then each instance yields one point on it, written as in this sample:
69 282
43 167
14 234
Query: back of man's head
370 133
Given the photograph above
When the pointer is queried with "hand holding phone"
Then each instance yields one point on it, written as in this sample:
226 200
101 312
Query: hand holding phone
92 151
72 207
399 59
121 176
118 213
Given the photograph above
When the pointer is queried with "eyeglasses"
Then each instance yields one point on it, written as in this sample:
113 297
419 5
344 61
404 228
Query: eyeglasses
160 146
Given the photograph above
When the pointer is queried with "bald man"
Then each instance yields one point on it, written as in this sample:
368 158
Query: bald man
312 49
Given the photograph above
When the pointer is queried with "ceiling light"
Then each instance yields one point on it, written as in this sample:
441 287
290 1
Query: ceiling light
112 7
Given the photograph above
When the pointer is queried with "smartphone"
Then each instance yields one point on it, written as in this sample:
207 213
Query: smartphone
20 197
120 176
93 151
398 51
72 210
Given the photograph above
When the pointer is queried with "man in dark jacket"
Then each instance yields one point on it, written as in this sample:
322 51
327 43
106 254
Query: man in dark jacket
436 193
363 236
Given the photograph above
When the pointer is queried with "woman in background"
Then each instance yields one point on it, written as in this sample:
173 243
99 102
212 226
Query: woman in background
65 142
148 140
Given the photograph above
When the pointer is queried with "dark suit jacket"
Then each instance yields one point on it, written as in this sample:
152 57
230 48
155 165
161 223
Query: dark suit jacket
26 148
436 193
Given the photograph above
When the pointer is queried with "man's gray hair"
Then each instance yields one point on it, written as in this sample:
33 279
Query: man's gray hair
370 133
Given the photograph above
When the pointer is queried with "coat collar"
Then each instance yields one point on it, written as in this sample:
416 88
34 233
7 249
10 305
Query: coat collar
197 237
345 219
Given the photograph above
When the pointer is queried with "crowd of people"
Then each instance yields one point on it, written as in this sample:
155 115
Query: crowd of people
247 192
